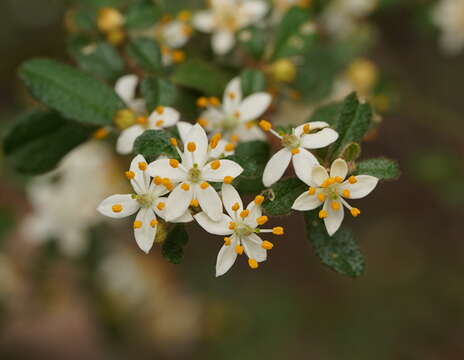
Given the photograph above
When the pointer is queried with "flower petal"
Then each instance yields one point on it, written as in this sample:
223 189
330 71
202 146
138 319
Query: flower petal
319 139
169 118
226 168
319 175
247 133
314 125
230 196
226 258
145 235
197 136
141 181
256 211
334 218
125 87
178 203
303 163
220 227
232 96
363 187
125 143
276 166
220 150
128 205
254 10
209 201
222 42
306 202
184 127
184 218
163 169
254 106
203 21
252 244
339 168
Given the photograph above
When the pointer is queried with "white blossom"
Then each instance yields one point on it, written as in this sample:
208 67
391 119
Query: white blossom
448 15
126 88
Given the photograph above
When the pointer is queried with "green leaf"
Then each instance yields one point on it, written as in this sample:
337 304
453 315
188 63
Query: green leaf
73 93
351 152
282 195
381 168
142 14
158 92
173 247
153 143
257 149
201 76
339 252
146 53
252 81
352 124
253 40
327 113
38 140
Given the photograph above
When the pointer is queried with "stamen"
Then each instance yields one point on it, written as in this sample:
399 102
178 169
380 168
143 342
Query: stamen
191 146
307 128
203 122
355 212
215 140
229 147
265 125
267 245
174 163
216 164
338 179
158 180
295 151
250 124
279 230
194 203
137 224
159 123
160 109
232 225
130 174
331 181
239 249
321 197
185 187
311 191
143 166
259 199
202 102
214 101
236 206
262 220
161 206
204 185
228 179
100 133
231 95
352 180
325 184
234 139
142 120
346 193
153 223
323 214
244 213
227 241
117 208
173 141
237 114
184 15
178 56
335 205
253 263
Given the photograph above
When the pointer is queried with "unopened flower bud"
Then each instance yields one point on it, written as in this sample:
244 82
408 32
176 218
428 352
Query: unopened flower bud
109 19
283 70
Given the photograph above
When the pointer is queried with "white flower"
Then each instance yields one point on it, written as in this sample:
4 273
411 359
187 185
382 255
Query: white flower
448 15
313 135
331 192
146 202
225 18
193 175
234 118
240 228
162 117
175 34
126 87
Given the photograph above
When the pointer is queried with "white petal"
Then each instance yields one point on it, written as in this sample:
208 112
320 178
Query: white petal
198 136
232 96
125 143
339 168
145 235
223 42
163 169
226 258
255 212
203 21
276 167
178 203
319 175
169 117
254 106
209 201
252 244
362 188
246 133
303 163
184 128
227 168
139 106
334 219
220 227
184 218
254 10
129 206
306 202
319 139
230 196
314 125
141 181
220 150
125 87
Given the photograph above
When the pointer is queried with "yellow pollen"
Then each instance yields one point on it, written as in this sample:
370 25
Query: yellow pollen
262 220
161 206
227 241
204 185
267 245
167 184
174 163
229 147
355 212
158 180
232 225
346 193
194 203
234 139
311 191
325 184
331 181
203 122
244 213
323 214
191 146
228 179
295 151
321 197
265 125
231 95
202 102
214 101
142 120
253 263
117 208
237 114
306 128
335 205
185 187
216 164
352 180
259 200
129 174
142 166
137 224
153 223
249 125
279 230
159 123
160 109
173 141
178 56
215 140
100 133
338 179
235 207
184 15
239 249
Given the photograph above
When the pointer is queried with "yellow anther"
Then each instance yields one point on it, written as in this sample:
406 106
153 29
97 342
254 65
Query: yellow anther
232 95
346 193
130 174
338 179
325 184
267 245
161 206
184 15
215 140
117 208
352 180
203 122
185 187
355 212
160 109
142 120
228 179
167 184
250 124
311 191
279 230
204 185
166 18
202 102
323 214
227 241
236 206
234 139
244 213
265 125
187 31
100 134
143 166
214 101
232 225
191 146
295 151
335 205
229 147
178 56
158 180
174 163
331 181
194 203
159 123
237 114
153 223
173 141
253 263
306 128
137 224
259 199
262 220
239 249
216 164
321 197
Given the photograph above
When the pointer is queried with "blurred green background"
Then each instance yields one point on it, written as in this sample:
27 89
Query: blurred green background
408 305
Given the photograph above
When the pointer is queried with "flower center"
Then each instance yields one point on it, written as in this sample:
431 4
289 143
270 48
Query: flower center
144 200
243 229
194 174
229 123
290 141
